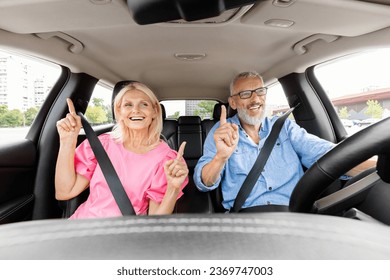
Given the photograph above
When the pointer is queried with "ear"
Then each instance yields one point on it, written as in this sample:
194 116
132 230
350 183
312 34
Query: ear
232 103
156 111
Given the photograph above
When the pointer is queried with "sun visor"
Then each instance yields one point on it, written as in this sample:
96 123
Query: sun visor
158 11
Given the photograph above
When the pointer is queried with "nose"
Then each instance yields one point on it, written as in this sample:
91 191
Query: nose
135 108
255 97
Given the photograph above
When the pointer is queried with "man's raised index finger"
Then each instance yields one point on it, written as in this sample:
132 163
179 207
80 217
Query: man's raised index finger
180 152
222 119
71 108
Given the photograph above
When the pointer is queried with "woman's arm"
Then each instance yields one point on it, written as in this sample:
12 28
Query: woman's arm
68 183
176 172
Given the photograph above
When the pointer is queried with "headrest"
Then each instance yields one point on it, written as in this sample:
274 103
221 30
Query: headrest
163 112
217 111
117 88
230 112
187 120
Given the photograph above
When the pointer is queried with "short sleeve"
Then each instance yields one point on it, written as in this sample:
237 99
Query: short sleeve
84 160
158 187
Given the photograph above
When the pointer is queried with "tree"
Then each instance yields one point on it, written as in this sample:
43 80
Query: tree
96 115
343 113
13 118
110 118
3 109
374 109
30 115
206 108
175 115
98 102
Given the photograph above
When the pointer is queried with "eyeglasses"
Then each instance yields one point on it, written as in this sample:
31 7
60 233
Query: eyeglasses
248 93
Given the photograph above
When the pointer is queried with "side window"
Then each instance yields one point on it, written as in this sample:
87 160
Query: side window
176 108
276 100
24 84
99 110
359 87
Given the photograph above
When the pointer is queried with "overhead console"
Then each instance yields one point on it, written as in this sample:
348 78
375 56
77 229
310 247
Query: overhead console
158 11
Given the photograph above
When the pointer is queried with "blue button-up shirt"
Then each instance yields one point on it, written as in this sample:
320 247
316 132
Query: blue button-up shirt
294 147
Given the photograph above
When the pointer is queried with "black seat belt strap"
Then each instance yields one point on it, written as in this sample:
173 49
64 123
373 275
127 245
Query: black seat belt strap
259 164
108 170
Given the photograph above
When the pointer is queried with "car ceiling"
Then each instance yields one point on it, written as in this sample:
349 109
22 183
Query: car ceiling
111 46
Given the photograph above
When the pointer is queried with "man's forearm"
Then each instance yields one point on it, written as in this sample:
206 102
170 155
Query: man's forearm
212 170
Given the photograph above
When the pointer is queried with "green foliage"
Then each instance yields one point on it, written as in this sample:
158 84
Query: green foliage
3 109
374 110
176 115
96 114
15 118
109 116
30 115
98 102
206 108
12 118
343 113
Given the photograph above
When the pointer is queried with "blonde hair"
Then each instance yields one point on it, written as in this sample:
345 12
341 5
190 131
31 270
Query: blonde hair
155 127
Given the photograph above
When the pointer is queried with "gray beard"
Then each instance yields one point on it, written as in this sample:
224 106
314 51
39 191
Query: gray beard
243 116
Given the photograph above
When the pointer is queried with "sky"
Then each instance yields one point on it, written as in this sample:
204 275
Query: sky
370 70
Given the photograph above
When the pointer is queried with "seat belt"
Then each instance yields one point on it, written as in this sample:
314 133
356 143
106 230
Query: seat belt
259 164
108 170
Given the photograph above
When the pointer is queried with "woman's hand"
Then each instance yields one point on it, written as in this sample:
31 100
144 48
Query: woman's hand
176 170
69 127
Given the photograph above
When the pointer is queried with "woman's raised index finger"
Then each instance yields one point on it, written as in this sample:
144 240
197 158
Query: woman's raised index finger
180 152
70 106
222 119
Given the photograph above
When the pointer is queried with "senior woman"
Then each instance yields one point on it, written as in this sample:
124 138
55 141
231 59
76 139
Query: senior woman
152 174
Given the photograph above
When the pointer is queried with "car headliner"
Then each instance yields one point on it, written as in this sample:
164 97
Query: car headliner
108 44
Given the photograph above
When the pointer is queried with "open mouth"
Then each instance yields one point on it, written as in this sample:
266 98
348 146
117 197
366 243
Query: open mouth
137 119
255 107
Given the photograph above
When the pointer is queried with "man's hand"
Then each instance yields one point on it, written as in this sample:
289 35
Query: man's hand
226 137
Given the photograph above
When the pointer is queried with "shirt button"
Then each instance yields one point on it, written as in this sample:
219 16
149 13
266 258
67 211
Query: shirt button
270 188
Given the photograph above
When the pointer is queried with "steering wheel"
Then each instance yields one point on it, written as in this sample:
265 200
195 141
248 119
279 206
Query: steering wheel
371 141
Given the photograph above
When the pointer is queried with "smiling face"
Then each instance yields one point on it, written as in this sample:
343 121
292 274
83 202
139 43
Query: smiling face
251 111
136 110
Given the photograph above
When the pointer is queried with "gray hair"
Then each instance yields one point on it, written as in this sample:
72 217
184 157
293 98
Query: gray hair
243 75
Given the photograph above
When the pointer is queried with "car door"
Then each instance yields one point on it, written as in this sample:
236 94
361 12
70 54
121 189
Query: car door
23 90
29 145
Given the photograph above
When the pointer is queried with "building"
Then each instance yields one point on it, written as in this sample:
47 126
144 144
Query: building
20 80
356 104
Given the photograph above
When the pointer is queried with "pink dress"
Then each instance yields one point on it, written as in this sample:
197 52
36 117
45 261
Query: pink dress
142 176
